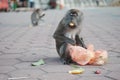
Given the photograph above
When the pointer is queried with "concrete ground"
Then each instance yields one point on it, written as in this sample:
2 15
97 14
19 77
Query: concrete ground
21 44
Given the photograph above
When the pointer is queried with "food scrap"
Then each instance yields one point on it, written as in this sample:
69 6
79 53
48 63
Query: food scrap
97 72
71 24
77 71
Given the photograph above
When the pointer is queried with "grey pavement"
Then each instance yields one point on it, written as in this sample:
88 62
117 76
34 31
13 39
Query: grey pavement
21 44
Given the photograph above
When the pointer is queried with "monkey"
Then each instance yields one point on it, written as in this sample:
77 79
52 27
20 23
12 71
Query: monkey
68 32
36 16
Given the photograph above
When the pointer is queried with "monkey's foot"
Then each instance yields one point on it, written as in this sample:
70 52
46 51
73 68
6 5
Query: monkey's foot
64 61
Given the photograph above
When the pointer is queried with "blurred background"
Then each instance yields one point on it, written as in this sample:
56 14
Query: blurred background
12 5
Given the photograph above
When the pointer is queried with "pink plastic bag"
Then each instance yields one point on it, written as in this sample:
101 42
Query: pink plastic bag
84 56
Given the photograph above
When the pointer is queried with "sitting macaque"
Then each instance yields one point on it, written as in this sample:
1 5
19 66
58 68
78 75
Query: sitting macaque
84 56
36 16
68 32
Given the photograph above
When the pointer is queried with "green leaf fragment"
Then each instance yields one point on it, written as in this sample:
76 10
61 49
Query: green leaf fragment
40 62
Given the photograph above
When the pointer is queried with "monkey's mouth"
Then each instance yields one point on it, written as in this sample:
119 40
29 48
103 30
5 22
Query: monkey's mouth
72 25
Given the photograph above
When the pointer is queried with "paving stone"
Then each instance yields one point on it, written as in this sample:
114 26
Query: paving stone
58 76
3 77
113 54
51 53
8 33
6 69
38 53
30 73
14 51
114 75
0 53
20 46
36 45
31 79
52 60
26 65
3 48
8 62
112 67
114 60
117 49
93 78
32 56
23 78
56 68
5 56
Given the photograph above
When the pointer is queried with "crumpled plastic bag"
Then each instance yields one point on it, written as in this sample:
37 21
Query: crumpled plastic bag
84 56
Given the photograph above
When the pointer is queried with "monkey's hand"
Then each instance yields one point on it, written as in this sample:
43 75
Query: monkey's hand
80 42
64 39
41 15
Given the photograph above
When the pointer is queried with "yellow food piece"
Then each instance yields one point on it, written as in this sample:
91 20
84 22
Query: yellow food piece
71 24
77 71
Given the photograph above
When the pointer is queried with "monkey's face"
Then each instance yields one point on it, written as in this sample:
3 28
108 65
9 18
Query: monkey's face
73 18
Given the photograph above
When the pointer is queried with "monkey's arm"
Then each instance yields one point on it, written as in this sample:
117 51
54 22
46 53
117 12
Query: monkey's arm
63 38
79 41
42 15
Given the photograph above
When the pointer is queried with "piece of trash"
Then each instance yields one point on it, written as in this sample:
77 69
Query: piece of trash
89 56
97 72
40 62
13 78
77 71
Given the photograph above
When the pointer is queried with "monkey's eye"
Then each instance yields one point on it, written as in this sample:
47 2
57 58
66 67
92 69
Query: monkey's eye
73 14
